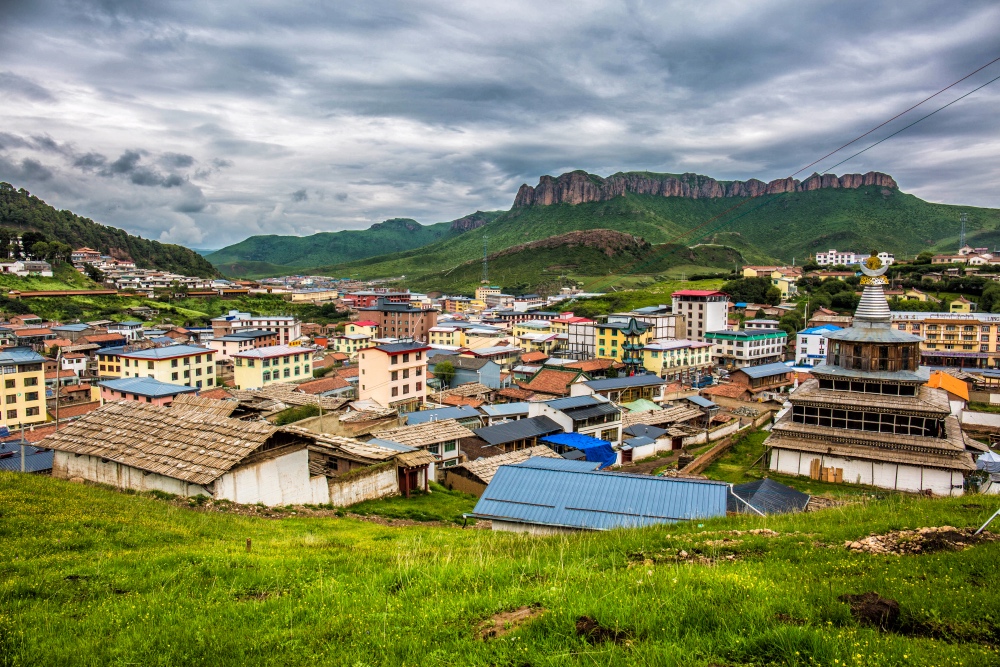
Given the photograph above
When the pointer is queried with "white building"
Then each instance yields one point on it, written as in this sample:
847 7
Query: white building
756 347
810 345
833 257
703 310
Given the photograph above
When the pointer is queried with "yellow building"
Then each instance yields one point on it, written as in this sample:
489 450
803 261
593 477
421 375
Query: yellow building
758 271
191 365
678 360
254 369
962 305
362 327
623 339
445 335
23 387
485 291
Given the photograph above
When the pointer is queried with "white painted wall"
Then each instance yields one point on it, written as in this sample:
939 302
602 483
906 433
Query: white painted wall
530 528
897 476
358 487
283 480
92 469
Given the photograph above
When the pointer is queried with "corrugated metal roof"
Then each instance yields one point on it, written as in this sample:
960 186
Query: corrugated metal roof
765 370
558 463
596 501
518 430
461 412
505 409
653 432
626 382
638 441
767 497
701 402
147 387
589 411
35 459
389 444
573 402
20 355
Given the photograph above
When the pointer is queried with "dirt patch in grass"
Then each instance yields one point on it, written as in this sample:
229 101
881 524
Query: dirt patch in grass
873 610
921 541
595 633
252 594
506 622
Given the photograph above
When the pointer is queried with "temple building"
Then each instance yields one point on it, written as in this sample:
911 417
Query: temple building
866 417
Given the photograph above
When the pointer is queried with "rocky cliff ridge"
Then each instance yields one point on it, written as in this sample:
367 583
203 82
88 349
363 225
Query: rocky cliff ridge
579 187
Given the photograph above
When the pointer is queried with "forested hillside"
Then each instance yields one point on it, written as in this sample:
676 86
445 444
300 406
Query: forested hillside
22 211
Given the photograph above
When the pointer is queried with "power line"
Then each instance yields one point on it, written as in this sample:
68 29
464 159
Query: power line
901 113
676 240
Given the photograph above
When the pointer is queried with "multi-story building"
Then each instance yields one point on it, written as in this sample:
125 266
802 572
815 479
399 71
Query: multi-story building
230 344
402 320
85 255
581 340
681 360
369 298
736 349
869 417
970 340
846 258
492 296
288 328
394 375
810 345
142 390
253 369
703 310
180 364
622 339
23 372
666 324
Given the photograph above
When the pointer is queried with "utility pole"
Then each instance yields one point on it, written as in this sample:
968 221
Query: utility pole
961 237
58 373
486 266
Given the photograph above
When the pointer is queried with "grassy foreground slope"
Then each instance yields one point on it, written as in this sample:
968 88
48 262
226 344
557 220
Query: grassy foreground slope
96 577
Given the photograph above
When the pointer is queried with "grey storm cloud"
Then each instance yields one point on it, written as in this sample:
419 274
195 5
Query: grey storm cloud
207 122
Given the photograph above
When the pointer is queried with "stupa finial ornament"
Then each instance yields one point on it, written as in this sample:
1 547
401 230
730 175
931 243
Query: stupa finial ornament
874 270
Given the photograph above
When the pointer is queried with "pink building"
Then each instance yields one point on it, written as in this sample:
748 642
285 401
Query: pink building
142 390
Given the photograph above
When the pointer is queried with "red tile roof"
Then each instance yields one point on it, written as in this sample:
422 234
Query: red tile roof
550 381
591 365
218 393
66 411
726 390
514 392
698 292
529 357
462 400
323 385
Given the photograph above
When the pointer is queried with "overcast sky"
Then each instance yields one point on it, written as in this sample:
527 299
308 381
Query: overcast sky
205 122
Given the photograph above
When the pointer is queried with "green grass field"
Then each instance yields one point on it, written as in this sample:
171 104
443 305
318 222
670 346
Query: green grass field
92 576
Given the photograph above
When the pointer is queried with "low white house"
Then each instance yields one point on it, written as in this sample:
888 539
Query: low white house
192 452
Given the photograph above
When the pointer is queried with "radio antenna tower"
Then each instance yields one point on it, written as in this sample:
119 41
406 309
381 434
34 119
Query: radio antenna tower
961 237
486 265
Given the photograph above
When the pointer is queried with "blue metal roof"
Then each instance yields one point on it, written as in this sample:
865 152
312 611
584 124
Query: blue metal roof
767 497
701 402
20 355
35 458
546 463
422 416
71 327
646 380
147 387
505 409
637 430
765 370
638 441
521 429
573 402
595 500
391 444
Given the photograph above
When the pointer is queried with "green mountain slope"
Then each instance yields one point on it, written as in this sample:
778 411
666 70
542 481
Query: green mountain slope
22 211
273 254
766 228
581 258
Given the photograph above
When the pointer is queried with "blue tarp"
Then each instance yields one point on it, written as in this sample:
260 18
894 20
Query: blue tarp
594 449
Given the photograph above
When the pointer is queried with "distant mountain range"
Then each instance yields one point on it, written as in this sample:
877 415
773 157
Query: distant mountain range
752 221
22 211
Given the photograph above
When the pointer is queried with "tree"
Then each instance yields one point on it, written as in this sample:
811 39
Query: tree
773 296
926 257
749 290
989 302
93 272
444 372
791 323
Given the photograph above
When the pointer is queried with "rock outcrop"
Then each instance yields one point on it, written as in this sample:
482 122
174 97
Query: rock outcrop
469 222
579 187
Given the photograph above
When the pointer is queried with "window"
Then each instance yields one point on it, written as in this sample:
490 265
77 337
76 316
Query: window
266 376
173 376
126 363
31 412
11 399
610 434
187 374
420 371
12 414
450 446
9 384
395 391
297 370
173 363
197 371
28 382
31 396
392 360
406 373
406 358
406 389
287 372
420 385
394 375
250 363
